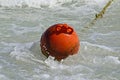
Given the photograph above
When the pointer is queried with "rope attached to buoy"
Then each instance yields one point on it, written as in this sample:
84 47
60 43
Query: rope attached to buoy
98 16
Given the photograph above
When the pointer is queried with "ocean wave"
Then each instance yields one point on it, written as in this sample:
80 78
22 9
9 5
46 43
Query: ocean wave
47 3
32 3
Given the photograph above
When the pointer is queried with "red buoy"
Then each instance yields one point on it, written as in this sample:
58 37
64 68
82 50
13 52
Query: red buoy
59 41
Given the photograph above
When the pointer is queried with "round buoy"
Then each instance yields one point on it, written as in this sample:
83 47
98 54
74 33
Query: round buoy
59 41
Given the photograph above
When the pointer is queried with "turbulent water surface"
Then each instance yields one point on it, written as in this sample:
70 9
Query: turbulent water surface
22 23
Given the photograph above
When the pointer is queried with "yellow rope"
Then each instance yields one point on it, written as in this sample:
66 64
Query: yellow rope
99 15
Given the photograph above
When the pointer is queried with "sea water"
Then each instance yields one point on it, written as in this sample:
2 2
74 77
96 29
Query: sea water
22 23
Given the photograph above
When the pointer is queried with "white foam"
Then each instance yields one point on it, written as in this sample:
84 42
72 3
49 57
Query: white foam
22 55
20 30
25 56
107 60
43 3
1 67
3 77
18 46
31 3
21 52
96 45
98 2
50 62
42 76
112 33
112 59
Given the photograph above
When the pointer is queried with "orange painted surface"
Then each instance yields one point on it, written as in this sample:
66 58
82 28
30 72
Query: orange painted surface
59 41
